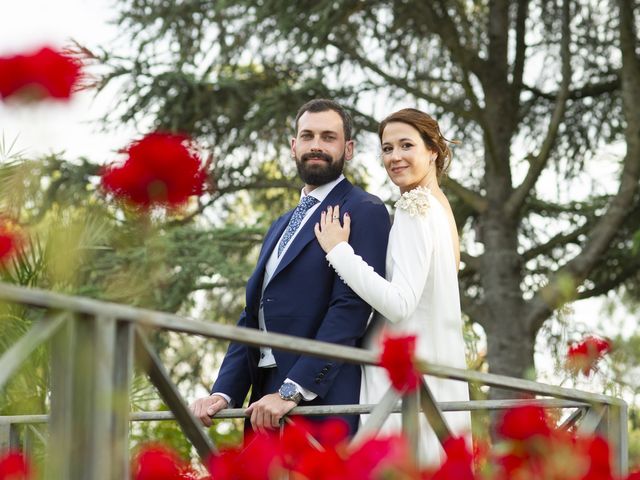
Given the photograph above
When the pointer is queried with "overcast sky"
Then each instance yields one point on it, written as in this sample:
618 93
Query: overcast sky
26 25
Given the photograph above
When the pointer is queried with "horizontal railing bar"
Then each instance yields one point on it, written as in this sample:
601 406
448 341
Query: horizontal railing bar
256 338
329 410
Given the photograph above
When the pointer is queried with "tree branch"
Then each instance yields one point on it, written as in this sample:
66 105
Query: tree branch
577 269
556 241
590 90
473 199
441 23
398 82
538 163
627 272
521 46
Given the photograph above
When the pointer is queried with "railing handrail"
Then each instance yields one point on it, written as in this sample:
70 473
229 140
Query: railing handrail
167 321
471 405
110 331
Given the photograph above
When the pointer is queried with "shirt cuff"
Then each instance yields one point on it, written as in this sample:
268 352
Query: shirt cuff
226 397
306 394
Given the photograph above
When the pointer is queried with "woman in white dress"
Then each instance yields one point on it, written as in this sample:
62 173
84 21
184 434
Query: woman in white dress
420 293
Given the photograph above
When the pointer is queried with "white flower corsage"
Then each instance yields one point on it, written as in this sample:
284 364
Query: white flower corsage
415 202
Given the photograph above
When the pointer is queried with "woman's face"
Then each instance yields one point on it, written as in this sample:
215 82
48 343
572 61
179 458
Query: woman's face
406 158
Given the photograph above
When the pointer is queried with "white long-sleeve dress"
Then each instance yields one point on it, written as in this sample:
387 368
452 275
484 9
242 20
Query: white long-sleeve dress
419 296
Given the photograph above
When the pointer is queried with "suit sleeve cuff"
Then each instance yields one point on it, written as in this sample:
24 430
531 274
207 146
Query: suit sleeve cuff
308 395
226 397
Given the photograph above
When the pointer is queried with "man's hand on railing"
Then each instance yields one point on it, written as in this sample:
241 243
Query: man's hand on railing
267 412
205 408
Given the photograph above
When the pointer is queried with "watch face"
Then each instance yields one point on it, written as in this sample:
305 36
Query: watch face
288 390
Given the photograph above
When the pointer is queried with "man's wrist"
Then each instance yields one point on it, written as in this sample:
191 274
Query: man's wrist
289 391
224 396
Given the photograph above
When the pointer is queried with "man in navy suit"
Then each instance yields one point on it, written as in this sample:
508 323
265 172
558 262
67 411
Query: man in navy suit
293 290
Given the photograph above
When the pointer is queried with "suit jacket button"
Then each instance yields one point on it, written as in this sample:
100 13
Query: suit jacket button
318 379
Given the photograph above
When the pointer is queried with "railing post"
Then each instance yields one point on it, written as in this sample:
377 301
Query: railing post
411 421
59 451
9 438
614 428
100 437
83 422
123 372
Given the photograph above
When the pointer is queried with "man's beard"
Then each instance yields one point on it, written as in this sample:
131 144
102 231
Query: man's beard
319 174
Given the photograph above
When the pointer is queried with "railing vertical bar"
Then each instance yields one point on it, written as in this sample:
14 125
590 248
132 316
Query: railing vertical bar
411 421
39 332
59 452
573 419
378 416
433 413
159 377
592 420
9 438
123 373
27 441
103 330
617 435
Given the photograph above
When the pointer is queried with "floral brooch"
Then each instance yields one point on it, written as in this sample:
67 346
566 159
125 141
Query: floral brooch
415 202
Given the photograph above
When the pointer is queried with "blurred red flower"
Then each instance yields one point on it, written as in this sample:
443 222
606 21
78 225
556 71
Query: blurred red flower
524 423
459 461
260 459
42 74
10 240
14 466
584 355
381 457
161 169
398 358
156 462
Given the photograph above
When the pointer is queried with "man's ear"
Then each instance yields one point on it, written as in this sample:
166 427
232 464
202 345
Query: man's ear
349 149
293 147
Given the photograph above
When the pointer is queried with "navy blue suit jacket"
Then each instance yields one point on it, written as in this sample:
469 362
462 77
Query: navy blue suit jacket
306 298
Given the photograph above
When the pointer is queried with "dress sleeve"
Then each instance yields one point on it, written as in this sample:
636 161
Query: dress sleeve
411 248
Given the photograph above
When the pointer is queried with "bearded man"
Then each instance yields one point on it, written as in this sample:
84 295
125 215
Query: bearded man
294 291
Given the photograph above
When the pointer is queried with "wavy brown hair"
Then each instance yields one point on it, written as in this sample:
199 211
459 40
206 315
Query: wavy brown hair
429 131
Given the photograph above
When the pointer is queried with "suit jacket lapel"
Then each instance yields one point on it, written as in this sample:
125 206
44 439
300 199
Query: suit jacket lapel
254 285
307 233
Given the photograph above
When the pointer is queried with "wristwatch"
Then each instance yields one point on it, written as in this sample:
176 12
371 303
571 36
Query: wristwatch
288 391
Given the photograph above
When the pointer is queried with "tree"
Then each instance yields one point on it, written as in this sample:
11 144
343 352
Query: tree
534 89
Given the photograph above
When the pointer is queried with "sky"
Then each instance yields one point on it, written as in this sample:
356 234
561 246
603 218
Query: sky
73 127
69 127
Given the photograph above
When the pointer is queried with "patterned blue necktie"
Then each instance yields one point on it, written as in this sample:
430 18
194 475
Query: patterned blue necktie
296 219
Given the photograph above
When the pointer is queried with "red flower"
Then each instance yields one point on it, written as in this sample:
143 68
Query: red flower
260 459
398 358
161 169
34 76
156 462
14 466
599 455
583 356
459 462
523 423
10 240
386 457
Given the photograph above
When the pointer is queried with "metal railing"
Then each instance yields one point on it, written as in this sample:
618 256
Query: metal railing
93 345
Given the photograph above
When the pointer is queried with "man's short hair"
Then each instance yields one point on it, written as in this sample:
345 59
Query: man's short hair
322 105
